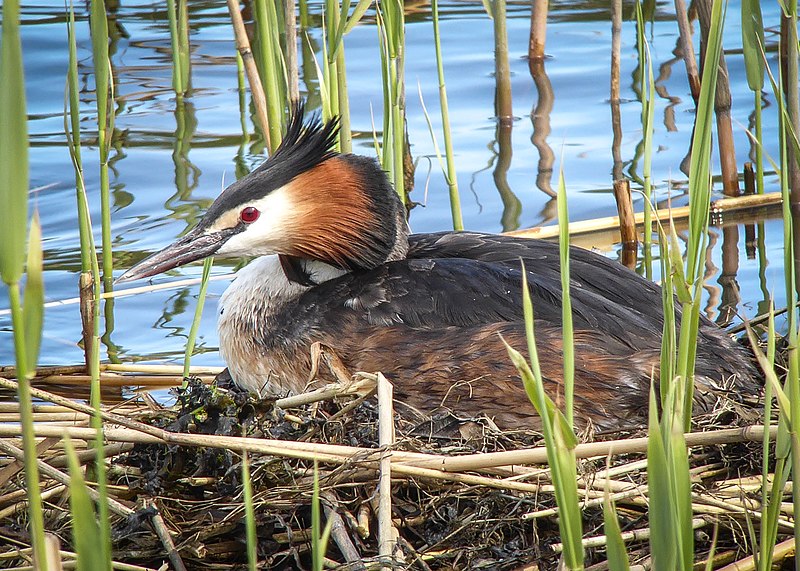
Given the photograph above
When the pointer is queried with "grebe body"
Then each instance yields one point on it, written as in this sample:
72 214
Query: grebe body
336 265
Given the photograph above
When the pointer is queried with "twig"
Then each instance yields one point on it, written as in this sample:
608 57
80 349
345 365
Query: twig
327 392
339 531
62 478
160 527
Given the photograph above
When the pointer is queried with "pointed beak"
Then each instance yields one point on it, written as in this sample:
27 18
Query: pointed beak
193 246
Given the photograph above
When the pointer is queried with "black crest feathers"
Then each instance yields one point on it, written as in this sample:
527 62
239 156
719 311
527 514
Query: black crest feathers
306 144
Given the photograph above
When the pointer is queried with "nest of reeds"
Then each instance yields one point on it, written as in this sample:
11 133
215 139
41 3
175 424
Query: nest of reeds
460 499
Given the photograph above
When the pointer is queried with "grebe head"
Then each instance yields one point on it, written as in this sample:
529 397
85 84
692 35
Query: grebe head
306 202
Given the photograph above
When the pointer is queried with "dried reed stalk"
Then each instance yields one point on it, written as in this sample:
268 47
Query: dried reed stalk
62 478
256 88
386 532
538 33
722 108
641 534
346 453
664 215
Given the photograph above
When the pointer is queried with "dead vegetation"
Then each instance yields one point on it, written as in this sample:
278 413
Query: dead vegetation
464 495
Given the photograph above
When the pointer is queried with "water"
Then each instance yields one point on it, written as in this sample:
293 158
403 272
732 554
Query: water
162 180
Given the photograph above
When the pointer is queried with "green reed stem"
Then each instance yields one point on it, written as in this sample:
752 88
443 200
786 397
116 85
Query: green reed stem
759 149
198 314
249 514
26 418
272 77
451 175
319 535
102 71
25 320
700 193
84 230
391 37
331 62
178 32
752 49
345 129
560 440
89 261
647 92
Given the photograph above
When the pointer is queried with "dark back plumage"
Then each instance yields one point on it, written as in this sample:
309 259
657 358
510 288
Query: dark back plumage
432 322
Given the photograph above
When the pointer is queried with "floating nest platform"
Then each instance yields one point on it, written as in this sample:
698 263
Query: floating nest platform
464 495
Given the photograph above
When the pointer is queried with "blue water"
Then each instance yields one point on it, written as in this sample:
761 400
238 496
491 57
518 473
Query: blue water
160 185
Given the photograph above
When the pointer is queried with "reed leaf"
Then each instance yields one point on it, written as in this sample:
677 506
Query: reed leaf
699 173
568 334
771 495
85 529
13 149
616 555
700 199
681 484
358 13
13 225
647 93
752 44
560 440
660 514
771 498
99 32
33 305
668 332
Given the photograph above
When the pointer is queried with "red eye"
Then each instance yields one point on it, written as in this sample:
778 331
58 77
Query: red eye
249 215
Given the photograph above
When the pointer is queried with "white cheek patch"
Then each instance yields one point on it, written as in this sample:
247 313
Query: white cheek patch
267 234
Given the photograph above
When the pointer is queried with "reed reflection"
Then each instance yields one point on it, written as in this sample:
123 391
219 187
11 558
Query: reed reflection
540 120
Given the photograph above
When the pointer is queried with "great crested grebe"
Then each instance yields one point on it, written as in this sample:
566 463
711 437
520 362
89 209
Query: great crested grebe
337 265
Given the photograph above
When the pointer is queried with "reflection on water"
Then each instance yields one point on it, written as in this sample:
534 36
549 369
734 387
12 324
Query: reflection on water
171 157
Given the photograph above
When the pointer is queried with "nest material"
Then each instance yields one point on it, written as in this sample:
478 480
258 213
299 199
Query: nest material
442 521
